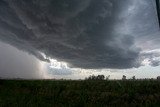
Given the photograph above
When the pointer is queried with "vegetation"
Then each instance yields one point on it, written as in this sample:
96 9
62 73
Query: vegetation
93 77
87 93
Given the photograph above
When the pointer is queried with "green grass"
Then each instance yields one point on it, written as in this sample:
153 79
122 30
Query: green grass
90 93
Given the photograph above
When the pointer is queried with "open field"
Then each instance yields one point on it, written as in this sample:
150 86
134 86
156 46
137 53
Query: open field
89 93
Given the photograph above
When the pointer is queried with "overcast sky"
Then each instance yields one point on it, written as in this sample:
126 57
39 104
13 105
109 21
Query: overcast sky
76 38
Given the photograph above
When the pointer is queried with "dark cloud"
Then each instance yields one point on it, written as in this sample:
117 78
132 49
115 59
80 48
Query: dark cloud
150 54
143 24
155 63
81 33
153 57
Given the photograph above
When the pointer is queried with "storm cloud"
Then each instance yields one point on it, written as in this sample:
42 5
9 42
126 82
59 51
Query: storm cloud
151 57
84 33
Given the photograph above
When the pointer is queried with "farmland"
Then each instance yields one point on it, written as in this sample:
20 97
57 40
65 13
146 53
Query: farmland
79 93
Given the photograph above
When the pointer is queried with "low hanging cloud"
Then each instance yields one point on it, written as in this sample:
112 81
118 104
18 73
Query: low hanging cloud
155 63
82 33
152 57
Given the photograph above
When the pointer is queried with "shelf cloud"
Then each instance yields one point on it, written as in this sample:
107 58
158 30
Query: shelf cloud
89 34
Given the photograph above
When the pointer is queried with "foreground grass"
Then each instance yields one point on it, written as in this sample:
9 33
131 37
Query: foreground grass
48 93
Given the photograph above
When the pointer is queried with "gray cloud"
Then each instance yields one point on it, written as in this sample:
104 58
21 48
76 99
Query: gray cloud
81 33
155 63
143 24
153 57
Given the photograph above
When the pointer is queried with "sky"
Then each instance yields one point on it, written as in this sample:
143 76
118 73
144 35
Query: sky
74 39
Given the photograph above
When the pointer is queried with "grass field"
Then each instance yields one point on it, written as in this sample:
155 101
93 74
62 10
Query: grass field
88 93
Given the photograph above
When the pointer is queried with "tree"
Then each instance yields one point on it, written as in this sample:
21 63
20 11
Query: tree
133 78
107 77
158 78
100 77
123 77
93 77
